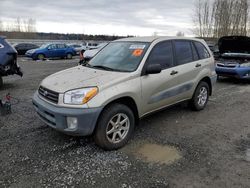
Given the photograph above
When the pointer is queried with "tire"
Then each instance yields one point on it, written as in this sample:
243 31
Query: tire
108 134
1 81
200 97
40 57
69 56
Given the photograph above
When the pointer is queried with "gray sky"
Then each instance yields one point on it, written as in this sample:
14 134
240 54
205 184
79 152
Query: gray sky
119 17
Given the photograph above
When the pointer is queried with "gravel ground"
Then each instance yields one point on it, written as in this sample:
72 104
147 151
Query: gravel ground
213 143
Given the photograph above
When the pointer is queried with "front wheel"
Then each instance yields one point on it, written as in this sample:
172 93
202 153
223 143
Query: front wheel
200 97
115 127
40 57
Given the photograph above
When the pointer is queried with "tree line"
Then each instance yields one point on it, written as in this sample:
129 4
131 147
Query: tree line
211 18
19 25
217 18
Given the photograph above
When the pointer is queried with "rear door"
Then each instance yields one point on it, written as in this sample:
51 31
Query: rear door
159 90
61 50
188 65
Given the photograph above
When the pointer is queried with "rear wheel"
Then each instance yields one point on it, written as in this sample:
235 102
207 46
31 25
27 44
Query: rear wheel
115 127
1 81
69 56
200 97
40 57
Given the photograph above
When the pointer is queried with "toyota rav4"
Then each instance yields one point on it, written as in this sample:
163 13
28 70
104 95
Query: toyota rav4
126 81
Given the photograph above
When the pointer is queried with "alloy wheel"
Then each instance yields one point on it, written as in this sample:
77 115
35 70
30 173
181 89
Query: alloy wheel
117 128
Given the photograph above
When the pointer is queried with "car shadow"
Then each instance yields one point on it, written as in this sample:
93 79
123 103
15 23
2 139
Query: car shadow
7 86
233 80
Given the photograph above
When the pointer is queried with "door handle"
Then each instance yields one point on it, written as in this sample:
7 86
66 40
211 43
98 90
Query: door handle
174 72
198 65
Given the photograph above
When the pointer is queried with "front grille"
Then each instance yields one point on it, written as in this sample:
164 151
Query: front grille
226 65
48 94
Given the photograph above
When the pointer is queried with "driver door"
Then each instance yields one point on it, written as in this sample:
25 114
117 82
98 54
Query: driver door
158 90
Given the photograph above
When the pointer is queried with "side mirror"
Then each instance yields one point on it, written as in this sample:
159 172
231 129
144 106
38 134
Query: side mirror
153 69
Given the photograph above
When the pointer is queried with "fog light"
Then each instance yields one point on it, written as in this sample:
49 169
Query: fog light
72 122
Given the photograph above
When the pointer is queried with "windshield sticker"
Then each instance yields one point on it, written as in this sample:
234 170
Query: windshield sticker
137 46
137 52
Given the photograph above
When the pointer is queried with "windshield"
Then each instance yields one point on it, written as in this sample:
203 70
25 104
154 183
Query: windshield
120 56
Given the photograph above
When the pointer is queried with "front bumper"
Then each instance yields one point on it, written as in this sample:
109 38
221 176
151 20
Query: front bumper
56 117
236 72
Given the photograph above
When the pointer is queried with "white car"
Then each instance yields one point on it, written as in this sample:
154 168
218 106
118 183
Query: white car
77 47
89 54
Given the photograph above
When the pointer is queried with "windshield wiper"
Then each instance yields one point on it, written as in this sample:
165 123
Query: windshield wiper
104 68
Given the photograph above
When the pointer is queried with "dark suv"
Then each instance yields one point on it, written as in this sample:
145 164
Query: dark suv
8 60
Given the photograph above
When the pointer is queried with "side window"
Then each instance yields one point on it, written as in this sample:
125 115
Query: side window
183 50
162 54
60 46
195 54
52 46
202 51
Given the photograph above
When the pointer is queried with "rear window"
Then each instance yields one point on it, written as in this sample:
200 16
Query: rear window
183 52
202 51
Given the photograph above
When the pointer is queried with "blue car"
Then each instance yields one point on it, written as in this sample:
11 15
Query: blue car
234 69
234 60
51 51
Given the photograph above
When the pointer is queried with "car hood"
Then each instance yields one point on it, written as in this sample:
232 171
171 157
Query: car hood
33 50
234 44
80 77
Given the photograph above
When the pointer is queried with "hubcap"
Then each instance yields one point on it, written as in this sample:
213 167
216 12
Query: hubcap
117 128
202 97
40 56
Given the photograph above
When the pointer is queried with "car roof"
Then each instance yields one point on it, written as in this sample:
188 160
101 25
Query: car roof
153 38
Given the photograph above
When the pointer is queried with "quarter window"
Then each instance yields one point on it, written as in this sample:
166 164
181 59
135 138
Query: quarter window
183 52
202 51
162 54
195 54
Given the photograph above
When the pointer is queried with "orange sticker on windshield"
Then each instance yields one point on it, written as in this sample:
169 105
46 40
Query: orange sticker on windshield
137 52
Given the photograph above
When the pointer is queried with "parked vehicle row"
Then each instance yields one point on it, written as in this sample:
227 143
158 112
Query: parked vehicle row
126 81
54 50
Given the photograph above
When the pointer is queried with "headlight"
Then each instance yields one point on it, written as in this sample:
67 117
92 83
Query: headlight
245 65
80 96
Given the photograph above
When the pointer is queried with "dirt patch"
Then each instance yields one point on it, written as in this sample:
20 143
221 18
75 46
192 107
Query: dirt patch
155 153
